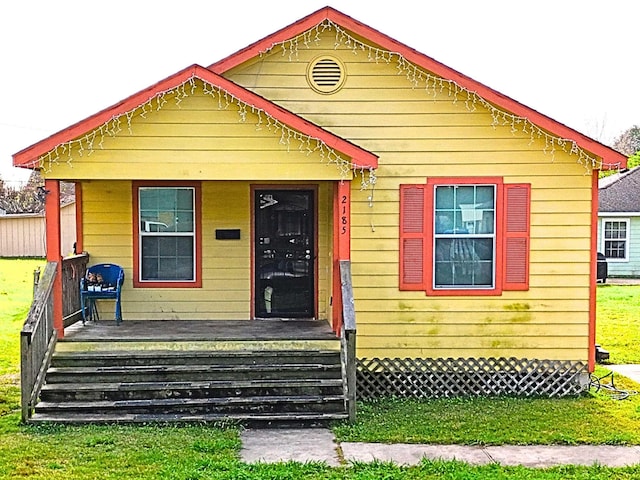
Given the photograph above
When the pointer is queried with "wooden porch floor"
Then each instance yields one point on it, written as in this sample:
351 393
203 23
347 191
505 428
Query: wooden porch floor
200 331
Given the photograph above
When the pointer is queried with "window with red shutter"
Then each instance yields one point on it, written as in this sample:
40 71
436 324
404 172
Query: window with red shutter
464 236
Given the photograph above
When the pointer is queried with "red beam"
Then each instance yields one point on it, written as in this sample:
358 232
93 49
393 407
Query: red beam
54 248
341 244
593 277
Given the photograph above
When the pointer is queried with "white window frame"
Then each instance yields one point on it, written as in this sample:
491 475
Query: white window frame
626 239
147 232
493 236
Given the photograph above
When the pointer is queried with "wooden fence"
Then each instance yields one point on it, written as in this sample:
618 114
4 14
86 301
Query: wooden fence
24 235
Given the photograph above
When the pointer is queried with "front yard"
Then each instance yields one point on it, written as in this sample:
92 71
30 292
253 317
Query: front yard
207 452
618 325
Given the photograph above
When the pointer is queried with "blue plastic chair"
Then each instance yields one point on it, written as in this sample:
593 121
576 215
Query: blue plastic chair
102 281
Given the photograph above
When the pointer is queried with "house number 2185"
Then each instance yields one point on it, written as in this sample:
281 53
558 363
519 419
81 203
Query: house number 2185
344 218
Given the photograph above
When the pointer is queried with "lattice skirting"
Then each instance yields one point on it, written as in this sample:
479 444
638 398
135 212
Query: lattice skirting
454 377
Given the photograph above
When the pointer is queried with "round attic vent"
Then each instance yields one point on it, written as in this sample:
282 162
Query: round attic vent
326 74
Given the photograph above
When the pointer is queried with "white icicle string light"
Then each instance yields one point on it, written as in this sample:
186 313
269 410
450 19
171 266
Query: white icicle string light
434 85
288 136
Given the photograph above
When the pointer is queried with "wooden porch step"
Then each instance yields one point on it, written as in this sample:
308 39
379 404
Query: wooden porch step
261 383
69 392
74 345
233 405
174 373
248 419
173 357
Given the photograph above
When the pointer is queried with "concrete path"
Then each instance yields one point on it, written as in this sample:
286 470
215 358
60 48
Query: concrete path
623 281
629 371
537 456
319 445
269 445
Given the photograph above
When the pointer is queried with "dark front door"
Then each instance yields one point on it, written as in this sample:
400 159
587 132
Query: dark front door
284 253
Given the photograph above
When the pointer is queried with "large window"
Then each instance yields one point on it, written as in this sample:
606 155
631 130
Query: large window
615 239
464 236
167 243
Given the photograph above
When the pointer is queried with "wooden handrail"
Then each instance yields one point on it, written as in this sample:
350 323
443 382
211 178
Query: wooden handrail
348 337
37 341
36 279
348 306
73 269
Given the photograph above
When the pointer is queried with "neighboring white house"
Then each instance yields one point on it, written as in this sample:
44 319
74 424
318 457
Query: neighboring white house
24 235
619 222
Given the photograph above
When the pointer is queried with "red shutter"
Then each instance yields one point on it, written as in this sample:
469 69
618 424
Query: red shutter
516 236
412 230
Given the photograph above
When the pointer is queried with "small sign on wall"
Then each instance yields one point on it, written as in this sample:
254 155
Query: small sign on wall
228 234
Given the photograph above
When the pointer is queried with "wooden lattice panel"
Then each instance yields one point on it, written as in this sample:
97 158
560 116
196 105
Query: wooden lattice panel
449 377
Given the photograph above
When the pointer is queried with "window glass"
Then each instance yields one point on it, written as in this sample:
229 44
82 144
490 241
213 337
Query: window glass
167 233
167 258
464 253
615 239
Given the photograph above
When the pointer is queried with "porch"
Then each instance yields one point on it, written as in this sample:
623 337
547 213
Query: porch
270 372
201 332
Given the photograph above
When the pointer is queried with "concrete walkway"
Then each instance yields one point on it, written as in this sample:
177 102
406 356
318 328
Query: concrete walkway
282 445
629 371
319 445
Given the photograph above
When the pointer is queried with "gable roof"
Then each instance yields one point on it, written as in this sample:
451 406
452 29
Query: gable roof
620 194
360 158
611 159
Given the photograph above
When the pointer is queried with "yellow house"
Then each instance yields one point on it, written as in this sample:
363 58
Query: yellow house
231 192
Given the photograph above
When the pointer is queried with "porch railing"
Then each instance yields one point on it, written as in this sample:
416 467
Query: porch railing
73 269
348 337
38 337
37 341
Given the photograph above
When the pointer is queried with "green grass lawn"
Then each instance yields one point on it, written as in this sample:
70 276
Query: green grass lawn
208 452
594 418
16 292
618 322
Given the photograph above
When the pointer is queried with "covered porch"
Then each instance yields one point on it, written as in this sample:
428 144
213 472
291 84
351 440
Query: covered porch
263 372
197 224
187 218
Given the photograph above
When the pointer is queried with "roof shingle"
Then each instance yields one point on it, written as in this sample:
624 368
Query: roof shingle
620 194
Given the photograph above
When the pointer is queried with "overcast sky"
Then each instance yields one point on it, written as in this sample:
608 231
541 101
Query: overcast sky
63 60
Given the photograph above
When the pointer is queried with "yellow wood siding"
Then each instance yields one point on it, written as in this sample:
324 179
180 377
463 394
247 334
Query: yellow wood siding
195 140
420 133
